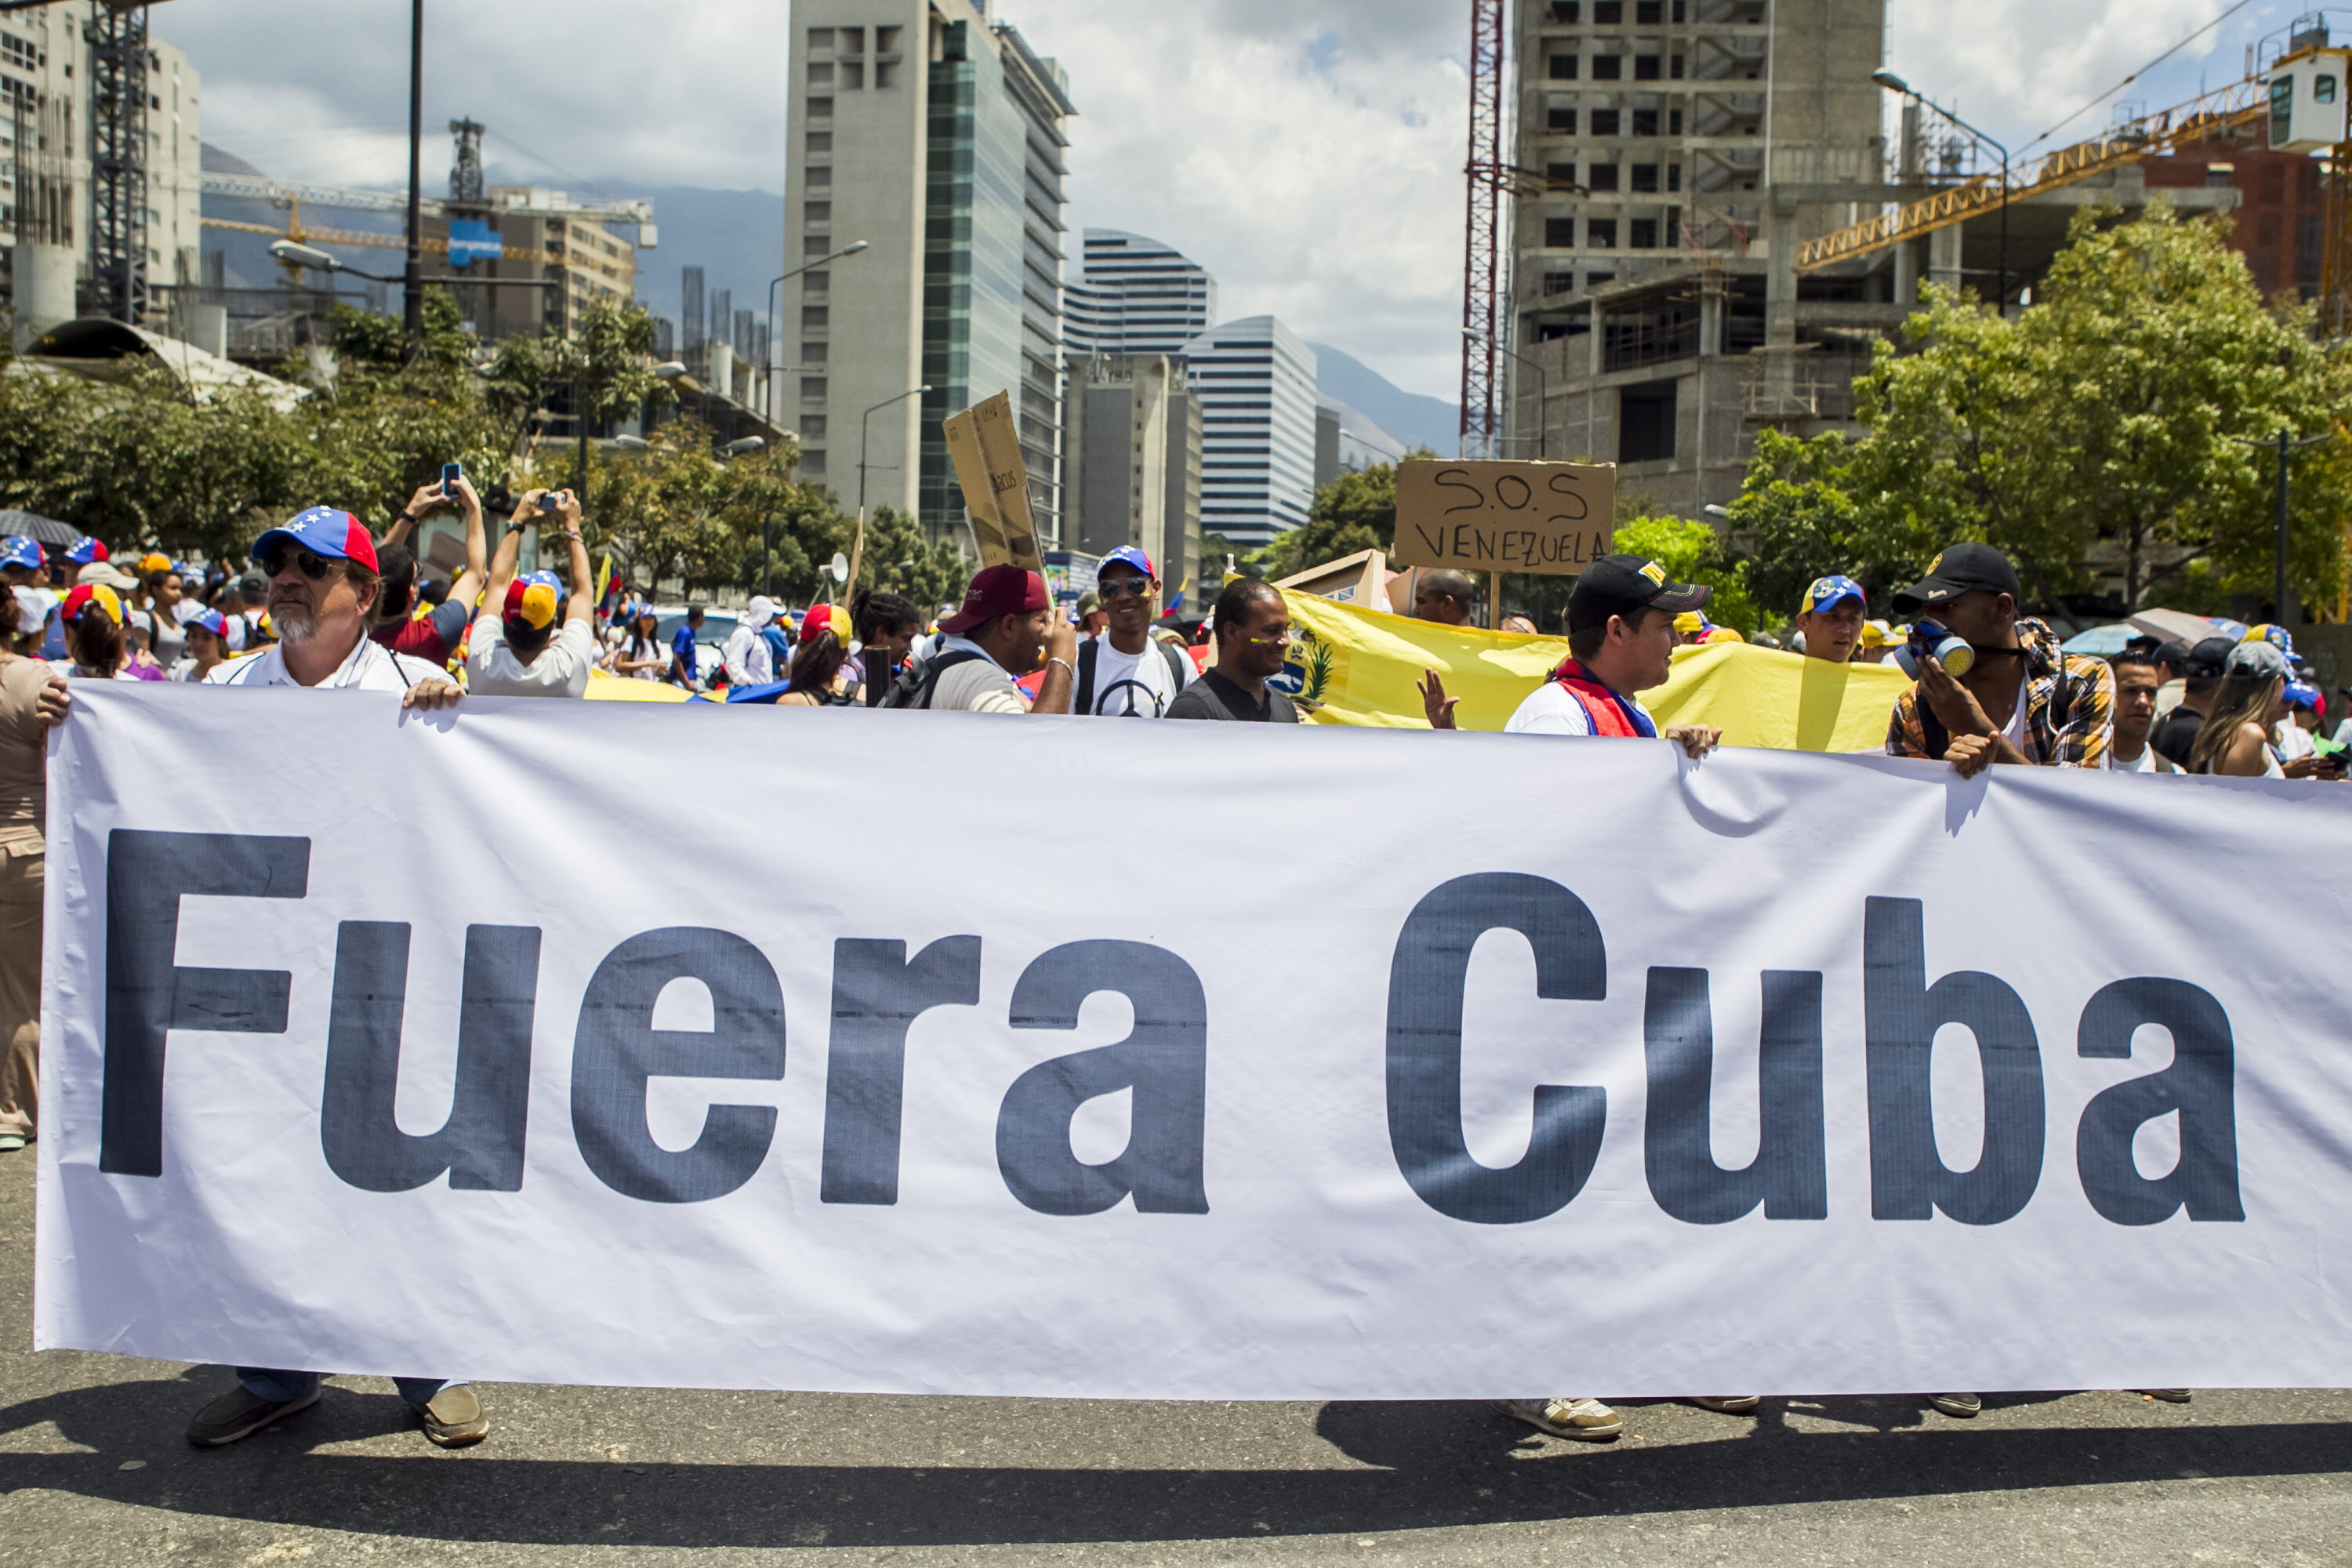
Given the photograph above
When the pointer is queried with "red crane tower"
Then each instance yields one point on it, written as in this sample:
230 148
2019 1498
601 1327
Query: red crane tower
1486 272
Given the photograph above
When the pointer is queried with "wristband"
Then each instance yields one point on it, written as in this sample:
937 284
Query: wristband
1065 664
406 517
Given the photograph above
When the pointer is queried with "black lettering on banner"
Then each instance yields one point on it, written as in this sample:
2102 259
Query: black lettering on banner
2200 1084
617 1050
1164 1061
147 996
1426 980
878 995
1455 479
1790 1175
1908 1178
1514 493
1565 485
480 1146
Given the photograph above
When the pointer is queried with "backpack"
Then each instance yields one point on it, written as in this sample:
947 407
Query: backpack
1083 701
917 683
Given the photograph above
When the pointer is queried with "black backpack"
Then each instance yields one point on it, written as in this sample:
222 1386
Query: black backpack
1083 701
918 682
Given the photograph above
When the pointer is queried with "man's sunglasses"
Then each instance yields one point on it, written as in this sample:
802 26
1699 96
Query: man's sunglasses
314 567
1123 584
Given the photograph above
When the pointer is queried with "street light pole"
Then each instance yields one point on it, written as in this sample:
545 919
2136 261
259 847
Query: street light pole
865 431
773 330
1893 83
1543 389
2286 446
413 279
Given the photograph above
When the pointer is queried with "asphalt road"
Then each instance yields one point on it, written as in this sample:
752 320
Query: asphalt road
93 1470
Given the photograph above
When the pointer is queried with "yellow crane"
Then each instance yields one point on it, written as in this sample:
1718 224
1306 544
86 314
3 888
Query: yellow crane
2202 117
302 236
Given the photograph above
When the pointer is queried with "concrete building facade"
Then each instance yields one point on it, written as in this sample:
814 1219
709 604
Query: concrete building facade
1135 450
1690 147
1138 296
1256 384
598 258
46 195
934 135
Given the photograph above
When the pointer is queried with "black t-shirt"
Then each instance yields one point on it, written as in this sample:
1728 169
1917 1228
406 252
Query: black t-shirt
1214 697
2174 734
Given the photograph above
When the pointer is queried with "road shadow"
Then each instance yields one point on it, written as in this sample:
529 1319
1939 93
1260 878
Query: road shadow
1439 1465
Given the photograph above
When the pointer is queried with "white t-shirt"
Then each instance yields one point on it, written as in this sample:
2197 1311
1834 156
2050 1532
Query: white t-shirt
1552 709
370 666
1135 685
2144 763
2292 740
560 670
976 686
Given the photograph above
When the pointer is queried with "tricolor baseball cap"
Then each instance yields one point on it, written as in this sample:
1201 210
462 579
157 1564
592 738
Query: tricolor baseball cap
23 550
1828 592
1127 555
821 618
322 530
84 551
212 621
2277 637
85 594
2304 694
999 591
531 599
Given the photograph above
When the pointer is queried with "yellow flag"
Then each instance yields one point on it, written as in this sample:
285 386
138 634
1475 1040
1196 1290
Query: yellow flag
1783 701
1354 666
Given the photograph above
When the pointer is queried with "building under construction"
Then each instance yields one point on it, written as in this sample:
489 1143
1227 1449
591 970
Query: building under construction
1678 166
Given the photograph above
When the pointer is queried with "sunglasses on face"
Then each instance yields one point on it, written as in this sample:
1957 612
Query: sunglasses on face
314 567
1121 586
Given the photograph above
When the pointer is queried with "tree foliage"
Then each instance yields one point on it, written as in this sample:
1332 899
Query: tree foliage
2103 433
899 560
1693 553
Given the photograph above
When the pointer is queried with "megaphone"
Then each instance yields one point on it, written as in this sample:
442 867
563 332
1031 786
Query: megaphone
1930 639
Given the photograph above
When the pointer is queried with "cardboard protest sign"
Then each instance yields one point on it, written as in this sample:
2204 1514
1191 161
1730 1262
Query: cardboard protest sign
984 443
1549 519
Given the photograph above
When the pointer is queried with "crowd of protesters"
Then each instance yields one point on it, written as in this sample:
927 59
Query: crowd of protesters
325 603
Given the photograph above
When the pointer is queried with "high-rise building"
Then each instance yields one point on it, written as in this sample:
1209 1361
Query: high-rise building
1138 296
46 119
1134 452
594 262
1256 385
933 135
690 308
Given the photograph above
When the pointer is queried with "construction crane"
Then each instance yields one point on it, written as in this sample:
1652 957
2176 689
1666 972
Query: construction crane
2203 118
1485 312
292 195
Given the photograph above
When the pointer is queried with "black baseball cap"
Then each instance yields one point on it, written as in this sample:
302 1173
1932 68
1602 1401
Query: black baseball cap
1962 569
1624 585
2208 659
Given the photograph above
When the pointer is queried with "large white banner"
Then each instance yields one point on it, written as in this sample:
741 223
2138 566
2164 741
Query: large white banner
821 1049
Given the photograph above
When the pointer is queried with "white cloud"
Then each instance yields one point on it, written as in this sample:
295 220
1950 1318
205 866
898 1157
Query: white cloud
1308 152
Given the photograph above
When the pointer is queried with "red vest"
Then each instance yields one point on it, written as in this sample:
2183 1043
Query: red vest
1601 707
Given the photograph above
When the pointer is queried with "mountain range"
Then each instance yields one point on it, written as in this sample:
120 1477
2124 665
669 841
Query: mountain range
735 237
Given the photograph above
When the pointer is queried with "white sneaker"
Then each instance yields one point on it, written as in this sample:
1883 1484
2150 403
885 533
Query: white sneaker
1585 1420
1731 1404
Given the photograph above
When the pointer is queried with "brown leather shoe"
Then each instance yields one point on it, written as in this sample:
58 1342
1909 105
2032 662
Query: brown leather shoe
240 1412
453 1418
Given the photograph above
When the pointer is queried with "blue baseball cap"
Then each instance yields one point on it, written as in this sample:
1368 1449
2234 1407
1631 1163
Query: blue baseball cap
2303 694
323 531
1829 592
23 550
1127 555
85 550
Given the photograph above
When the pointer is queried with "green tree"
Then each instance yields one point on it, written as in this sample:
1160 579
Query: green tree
1693 552
2097 435
1355 512
899 560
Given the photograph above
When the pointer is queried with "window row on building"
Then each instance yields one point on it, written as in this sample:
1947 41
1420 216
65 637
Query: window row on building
1564 119
1653 232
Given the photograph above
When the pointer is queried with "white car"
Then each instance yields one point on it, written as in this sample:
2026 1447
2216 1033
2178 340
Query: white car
710 636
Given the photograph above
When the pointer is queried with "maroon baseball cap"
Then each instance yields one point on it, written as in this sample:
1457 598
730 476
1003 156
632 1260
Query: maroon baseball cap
999 591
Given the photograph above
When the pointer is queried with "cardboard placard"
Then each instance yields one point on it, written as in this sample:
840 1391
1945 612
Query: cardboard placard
1552 519
984 444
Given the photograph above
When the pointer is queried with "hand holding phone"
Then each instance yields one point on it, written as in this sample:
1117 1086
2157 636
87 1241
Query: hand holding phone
450 474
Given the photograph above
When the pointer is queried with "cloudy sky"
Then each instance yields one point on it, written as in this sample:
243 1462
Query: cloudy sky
1308 152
